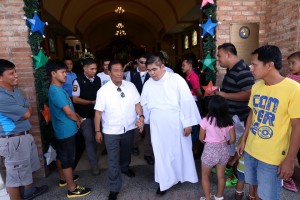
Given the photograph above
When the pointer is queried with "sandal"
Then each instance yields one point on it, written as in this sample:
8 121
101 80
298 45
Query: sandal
251 197
238 195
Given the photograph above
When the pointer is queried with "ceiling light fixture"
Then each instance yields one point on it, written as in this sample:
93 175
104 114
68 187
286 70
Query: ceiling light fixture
120 32
119 10
120 25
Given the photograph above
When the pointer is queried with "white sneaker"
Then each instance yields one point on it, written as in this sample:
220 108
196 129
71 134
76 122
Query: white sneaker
203 198
218 198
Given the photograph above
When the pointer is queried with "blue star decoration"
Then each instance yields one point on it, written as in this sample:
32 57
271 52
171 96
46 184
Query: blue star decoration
36 24
208 62
209 27
40 60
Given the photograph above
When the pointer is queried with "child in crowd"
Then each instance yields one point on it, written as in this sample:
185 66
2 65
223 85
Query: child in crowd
294 68
213 131
239 190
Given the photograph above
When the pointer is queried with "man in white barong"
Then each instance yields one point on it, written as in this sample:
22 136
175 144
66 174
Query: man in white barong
171 111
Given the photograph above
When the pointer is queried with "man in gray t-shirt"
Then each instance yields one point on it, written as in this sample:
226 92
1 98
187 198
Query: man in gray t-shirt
17 145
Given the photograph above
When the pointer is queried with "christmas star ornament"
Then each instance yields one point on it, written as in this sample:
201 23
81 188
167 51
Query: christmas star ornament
36 25
209 89
205 2
40 60
208 62
208 27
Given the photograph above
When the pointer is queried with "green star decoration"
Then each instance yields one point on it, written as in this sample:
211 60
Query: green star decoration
208 62
40 60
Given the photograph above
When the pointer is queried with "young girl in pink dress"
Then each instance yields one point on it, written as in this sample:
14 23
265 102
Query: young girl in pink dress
217 132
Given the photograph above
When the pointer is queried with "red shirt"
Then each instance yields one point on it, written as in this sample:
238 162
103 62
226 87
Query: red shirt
193 79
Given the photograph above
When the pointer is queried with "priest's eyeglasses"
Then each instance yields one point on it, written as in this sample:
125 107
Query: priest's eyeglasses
122 93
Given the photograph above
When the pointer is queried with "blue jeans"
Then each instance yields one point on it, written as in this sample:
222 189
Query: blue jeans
265 176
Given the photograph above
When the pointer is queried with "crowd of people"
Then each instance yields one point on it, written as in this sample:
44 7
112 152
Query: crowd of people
249 132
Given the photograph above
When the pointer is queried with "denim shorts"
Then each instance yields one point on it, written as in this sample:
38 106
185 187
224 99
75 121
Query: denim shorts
263 175
240 175
21 159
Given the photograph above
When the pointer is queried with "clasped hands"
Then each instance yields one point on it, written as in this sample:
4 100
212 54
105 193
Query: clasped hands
140 124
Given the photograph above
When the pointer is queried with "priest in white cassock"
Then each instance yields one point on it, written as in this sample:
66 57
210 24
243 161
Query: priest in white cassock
171 111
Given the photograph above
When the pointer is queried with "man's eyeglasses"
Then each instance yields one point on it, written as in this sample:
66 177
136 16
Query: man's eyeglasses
122 93
142 62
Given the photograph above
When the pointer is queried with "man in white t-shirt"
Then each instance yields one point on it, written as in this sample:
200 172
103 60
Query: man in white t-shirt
104 75
118 108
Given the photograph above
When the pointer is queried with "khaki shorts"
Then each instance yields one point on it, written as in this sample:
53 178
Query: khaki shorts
21 159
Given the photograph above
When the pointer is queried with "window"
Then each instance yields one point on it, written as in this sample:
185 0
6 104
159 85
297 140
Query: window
194 38
186 42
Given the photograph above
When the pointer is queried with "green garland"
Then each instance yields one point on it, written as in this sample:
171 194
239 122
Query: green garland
41 80
209 42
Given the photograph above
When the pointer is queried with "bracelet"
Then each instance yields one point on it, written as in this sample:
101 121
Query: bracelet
97 131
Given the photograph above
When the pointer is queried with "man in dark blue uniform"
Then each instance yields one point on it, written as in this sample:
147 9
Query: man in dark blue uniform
84 93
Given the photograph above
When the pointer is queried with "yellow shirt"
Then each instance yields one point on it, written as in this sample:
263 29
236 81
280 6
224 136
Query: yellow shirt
273 107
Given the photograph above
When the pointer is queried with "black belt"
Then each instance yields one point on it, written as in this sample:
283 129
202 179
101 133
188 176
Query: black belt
14 135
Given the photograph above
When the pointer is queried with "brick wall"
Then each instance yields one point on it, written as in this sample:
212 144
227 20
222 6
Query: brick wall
239 11
279 23
14 47
283 30
247 11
